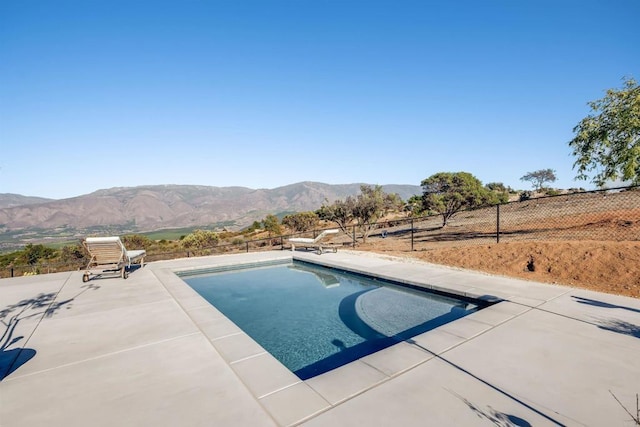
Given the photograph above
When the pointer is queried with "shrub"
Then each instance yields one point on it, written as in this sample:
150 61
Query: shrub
301 221
525 195
200 239
136 241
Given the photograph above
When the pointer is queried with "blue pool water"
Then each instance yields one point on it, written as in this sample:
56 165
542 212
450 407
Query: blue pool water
315 319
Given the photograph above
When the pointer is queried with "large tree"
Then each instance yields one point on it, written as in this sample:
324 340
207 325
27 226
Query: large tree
539 178
607 141
447 193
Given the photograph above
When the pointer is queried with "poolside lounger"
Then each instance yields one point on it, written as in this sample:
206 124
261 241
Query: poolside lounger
306 242
109 255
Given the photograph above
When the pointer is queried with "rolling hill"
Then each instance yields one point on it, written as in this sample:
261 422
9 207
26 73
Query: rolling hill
8 200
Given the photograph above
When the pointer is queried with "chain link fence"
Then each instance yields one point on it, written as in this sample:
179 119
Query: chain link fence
601 215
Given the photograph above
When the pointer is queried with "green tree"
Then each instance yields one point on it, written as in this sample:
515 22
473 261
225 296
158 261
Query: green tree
271 224
392 202
539 178
364 210
33 254
607 141
301 221
447 193
340 212
370 205
413 206
496 186
257 225
500 190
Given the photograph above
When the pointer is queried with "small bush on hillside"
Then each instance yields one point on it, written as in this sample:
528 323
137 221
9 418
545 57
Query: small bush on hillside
200 239
525 195
72 254
256 226
136 241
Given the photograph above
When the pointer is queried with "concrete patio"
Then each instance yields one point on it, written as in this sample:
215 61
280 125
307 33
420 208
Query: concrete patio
150 351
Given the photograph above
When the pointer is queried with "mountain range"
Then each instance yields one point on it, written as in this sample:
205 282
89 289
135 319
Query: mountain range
157 207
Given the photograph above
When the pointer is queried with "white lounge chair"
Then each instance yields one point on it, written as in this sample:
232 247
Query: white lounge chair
307 243
110 256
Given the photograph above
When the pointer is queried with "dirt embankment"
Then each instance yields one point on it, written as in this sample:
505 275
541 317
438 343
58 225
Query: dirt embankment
612 267
586 240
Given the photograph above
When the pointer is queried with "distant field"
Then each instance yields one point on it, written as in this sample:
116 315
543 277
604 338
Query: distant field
58 245
169 234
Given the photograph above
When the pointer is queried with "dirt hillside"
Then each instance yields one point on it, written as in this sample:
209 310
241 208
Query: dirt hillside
587 240
612 267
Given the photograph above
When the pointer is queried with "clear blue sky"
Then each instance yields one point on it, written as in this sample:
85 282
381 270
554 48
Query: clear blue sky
100 94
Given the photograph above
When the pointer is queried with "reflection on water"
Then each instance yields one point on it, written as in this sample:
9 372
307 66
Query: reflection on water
328 280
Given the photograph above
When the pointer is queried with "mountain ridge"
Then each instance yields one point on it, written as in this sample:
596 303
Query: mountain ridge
152 207
8 200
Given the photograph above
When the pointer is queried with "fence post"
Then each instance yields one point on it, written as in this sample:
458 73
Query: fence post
354 236
11 271
498 223
281 243
411 234
247 243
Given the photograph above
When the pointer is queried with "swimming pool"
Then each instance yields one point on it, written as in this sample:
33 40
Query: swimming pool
315 319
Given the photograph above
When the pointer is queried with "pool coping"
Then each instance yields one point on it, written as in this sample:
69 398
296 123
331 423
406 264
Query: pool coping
279 390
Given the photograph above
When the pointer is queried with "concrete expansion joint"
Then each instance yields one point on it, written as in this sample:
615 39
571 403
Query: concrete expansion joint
44 313
350 397
253 356
102 356
279 390
226 336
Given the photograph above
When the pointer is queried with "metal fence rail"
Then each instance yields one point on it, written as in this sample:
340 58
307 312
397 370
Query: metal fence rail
601 215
